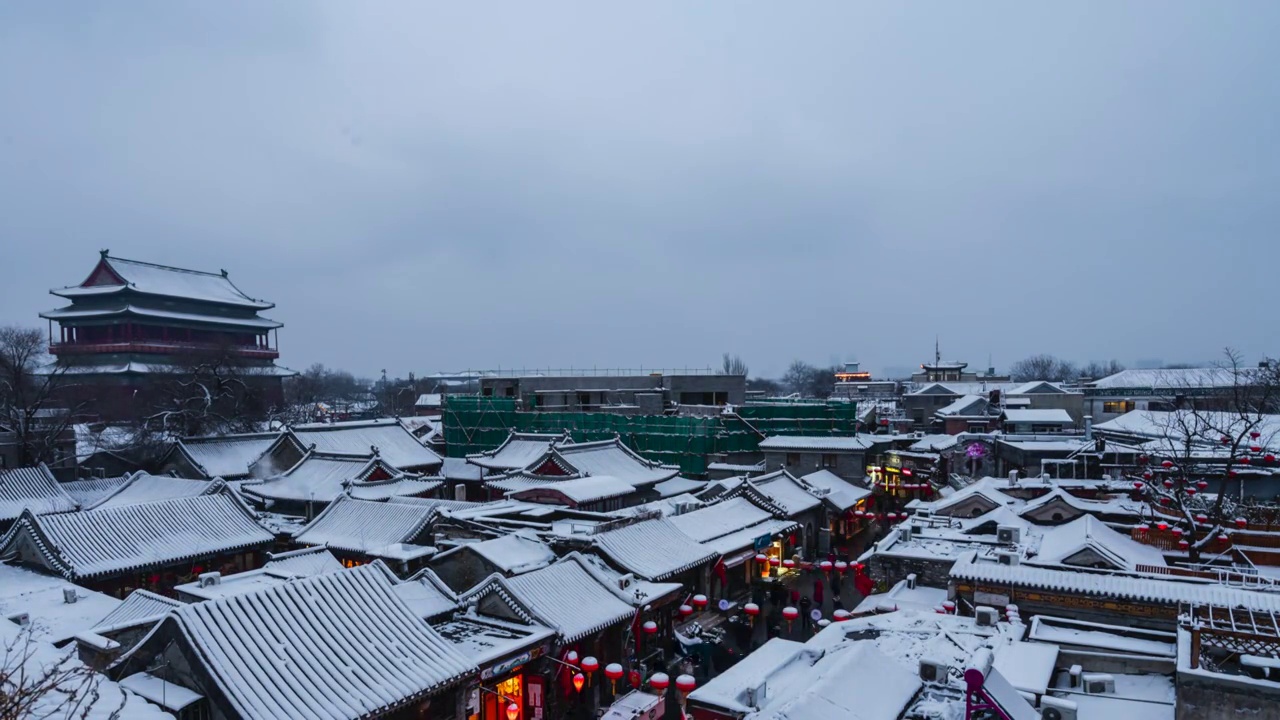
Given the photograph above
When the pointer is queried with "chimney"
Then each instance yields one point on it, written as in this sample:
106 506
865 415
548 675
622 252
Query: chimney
1088 427
911 581
1013 478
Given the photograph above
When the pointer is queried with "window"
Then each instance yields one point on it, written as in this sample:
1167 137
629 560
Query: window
1118 406
584 399
793 458
511 391
828 460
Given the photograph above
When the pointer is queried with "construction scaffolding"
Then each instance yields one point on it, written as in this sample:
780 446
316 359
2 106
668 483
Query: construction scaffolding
475 424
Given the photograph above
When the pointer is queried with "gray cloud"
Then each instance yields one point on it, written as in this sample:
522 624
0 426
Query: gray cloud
424 187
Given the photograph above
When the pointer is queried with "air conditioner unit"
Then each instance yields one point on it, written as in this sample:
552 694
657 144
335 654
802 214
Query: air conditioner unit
924 512
1008 534
1098 683
1055 708
21 619
1008 558
757 695
69 595
210 578
626 581
932 671
906 532
911 581
985 616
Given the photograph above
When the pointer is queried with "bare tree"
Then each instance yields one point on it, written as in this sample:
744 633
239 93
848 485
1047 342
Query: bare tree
734 365
1042 367
1094 369
214 392
32 686
1209 434
29 387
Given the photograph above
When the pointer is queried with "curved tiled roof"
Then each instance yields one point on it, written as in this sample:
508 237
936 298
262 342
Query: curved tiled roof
653 549
34 489
570 599
365 526
141 607
144 488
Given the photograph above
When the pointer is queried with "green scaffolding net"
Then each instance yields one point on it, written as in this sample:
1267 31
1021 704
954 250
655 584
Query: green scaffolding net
475 424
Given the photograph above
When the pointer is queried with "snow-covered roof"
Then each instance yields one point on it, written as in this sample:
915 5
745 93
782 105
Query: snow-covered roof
965 406
517 452
460 469
1038 387
32 488
153 279
513 553
719 519
90 490
1081 634
140 607
485 639
983 388
745 538
302 563
1117 585
429 400
322 477
678 486
134 537
338 646
393 441
609 458
652 549
366 526
934 443
840 493
1206 426
821 443
1042 415
41 597
786 491
736 468
579 490
861 683
638 592
902 597
1086 533
567 597
142 487
426 595
225 456
1171 379
729 690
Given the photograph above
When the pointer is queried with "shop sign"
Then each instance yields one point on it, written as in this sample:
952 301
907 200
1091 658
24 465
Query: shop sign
510 664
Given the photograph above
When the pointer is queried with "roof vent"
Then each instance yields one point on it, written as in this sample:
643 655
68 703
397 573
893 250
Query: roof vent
210 579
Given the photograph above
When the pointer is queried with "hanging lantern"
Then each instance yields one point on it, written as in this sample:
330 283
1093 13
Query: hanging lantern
840 615
841 566
1222 537
1244 460
1255 449
790 614
1165 501
826 565
1226 440
1202 518
660 682
650 627
762 558
1190 491
1143 528
1168 484
752 610
571 657
860 513
1269 458
589 666
822 624
1137 485
1242 523
1166 464
938 609
774 562
1177 532
1147 475
789 564
513 711
1162 526
1143 459
1203 484
699 601
1231 473
578 680
613 671
1183 544
1255 434
686 611
685 684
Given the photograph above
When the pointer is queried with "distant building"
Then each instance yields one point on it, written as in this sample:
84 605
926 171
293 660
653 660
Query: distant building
640 394
131 322
1207 388
857 384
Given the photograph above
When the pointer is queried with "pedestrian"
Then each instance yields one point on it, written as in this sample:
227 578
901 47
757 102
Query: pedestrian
817 593
805 604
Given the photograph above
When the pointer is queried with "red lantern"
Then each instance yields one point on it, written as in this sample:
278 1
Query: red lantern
1203 484
613 671
685 684
155 579
841 566
650 627
1147 475
699 601
1244 460
1168 484
1222 537
859 513
1183 544
1255 449
789 564
1143 528
790 614
774 562
1165 501
1162 526
1242 523
1202 518
1191 491
762 558
513 711
1226 440
578 680
841 615
1177 532
686 611
660 681
590 665
1269 458
752 610
1142 459
1231 473
1255 434
825 565
1166 464
1137 485
949 606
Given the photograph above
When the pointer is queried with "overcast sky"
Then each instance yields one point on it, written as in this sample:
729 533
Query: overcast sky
436 186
